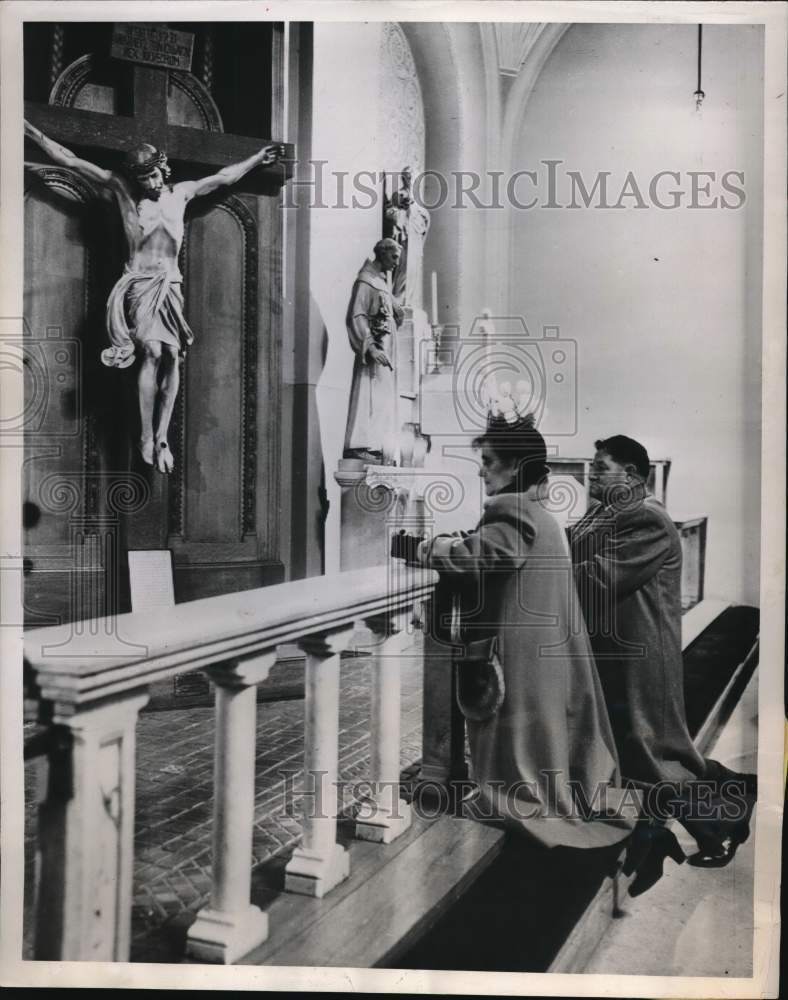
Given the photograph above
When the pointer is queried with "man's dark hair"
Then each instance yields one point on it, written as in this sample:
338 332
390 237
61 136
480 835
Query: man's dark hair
626 451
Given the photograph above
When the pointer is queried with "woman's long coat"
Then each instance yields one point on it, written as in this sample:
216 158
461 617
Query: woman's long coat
546 761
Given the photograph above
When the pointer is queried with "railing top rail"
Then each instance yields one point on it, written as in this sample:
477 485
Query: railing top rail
85 661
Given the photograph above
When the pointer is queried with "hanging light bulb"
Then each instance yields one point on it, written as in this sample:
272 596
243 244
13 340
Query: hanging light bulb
699 94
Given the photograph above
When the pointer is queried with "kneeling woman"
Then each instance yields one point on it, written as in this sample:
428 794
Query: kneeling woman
544 755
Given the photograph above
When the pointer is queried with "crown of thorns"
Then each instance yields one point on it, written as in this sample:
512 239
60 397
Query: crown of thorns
141 161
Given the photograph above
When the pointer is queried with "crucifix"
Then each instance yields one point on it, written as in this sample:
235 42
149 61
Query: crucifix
145 309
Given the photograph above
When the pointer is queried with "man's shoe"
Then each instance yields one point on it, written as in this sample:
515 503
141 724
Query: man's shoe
723 853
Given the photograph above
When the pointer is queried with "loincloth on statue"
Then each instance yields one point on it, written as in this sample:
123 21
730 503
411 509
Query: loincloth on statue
145 306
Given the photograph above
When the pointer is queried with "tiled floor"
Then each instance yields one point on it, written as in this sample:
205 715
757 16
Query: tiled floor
172 864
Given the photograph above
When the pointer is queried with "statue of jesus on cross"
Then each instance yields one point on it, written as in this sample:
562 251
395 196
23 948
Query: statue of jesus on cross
145 308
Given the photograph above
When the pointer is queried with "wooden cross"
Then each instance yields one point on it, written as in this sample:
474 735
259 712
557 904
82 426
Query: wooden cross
92 132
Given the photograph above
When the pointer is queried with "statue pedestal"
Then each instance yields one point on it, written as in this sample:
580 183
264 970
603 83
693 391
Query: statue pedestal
376 500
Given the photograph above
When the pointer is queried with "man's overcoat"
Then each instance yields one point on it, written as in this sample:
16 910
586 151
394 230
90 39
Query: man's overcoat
627 566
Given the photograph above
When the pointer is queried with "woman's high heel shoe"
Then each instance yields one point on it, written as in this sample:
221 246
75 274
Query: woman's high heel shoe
638 848
663 845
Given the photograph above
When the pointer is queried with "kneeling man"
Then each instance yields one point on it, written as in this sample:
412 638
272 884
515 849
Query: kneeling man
626 555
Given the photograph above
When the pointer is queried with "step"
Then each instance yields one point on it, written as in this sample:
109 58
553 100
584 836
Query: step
693 921
522 908
698 618
394 894
717 667
587 935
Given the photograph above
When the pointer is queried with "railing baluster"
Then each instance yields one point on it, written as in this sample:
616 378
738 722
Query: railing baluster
86 829
387 816
320 863
231 926
86 836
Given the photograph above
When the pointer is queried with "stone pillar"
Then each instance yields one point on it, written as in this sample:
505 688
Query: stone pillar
230 927
377 500
387 816
320 863
366 513
86 835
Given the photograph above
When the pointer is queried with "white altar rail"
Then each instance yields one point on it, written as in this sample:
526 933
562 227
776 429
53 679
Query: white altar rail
93 679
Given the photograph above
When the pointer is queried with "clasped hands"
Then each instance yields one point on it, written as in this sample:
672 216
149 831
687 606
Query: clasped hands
405 546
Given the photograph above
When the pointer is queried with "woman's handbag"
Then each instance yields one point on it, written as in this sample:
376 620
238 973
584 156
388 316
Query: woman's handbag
480 686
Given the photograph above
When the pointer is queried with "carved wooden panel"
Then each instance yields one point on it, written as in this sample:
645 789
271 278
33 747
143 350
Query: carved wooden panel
56 304
72 531
267 426
219 511
221 293
83 85
224 494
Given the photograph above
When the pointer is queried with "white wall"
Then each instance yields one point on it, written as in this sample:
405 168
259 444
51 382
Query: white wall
664 305
347 75
345 119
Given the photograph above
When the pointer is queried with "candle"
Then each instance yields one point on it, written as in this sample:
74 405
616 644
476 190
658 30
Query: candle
434 299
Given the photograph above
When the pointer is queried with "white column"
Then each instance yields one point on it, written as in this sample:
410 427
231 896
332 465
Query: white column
230 926
86 835
320 863
386 816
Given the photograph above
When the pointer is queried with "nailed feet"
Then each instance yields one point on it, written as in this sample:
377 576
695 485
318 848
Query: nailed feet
164 460
157 453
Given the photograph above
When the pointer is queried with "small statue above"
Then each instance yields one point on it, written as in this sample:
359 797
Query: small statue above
372 319
407 223
145 308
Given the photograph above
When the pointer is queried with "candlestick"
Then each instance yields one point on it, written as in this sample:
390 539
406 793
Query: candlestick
437 334
434 299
